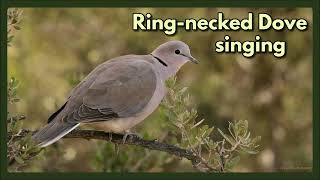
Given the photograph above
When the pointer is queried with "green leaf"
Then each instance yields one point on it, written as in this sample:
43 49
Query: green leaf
226 137
248 150
19 159
232 162
17 27
256 140
183 90
14 21
10 38
15 100
242 128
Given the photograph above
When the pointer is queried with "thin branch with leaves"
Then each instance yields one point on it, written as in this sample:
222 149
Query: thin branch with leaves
194 141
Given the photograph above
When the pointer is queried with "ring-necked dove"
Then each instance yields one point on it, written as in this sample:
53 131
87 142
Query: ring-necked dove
119 93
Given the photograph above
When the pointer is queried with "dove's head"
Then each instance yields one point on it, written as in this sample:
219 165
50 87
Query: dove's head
172 55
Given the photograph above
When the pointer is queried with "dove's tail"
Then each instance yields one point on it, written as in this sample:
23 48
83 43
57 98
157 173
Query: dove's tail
52 132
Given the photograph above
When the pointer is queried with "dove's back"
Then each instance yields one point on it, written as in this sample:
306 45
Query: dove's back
117 94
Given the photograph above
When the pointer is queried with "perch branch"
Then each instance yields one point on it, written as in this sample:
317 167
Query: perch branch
198 162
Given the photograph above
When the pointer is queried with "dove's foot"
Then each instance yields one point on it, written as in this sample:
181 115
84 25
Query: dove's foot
128 135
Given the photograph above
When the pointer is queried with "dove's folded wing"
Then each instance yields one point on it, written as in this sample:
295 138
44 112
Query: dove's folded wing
121 90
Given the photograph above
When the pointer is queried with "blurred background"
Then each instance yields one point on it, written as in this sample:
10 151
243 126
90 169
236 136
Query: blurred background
56 48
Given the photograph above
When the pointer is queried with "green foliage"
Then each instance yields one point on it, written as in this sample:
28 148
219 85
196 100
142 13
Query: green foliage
240 137
12 91
239 143
14 20
195 135
114 158
21 149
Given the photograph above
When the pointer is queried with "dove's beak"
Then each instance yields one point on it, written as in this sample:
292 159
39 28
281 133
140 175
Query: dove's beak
192 59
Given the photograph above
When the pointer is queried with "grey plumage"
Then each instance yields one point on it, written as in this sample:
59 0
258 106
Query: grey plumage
119 93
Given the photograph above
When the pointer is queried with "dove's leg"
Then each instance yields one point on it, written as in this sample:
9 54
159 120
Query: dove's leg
110 136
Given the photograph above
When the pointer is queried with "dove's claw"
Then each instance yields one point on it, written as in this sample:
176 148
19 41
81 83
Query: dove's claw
131 135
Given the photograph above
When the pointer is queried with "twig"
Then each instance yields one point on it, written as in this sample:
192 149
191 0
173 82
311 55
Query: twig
16 118
221 154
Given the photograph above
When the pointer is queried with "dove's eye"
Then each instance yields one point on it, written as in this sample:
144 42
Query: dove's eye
177 51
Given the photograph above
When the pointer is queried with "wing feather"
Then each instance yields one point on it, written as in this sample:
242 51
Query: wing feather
121 90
